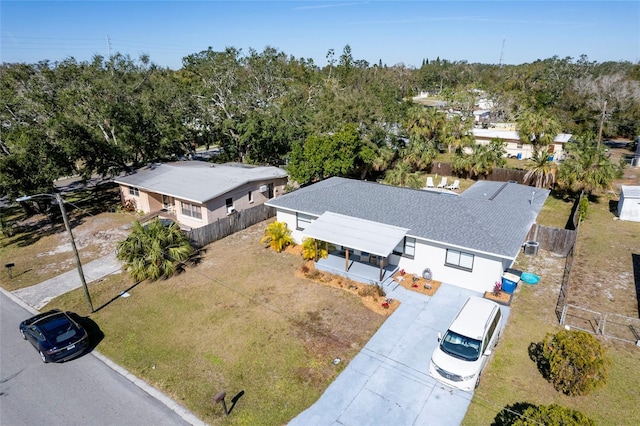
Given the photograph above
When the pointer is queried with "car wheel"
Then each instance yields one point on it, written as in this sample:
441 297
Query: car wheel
22 334
44 359
477 381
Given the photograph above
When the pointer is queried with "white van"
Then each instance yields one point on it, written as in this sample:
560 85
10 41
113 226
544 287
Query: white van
466 346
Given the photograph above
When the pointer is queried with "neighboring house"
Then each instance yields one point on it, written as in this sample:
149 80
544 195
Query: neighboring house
629 203
468 240
516 147
196 193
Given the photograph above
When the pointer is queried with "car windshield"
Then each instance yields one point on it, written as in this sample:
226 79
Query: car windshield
58 329
460 346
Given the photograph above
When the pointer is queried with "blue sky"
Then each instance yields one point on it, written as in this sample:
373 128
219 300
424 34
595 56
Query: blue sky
392 31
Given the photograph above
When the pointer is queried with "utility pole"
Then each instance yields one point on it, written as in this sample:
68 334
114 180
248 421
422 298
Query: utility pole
604 111
108 46
63 211
502 51
75 250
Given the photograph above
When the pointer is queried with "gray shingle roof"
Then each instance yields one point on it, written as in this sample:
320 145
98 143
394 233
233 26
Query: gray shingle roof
490 217
196 181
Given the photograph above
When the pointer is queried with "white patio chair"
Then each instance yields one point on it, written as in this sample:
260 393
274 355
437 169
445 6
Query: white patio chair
429 182
454 185
443 183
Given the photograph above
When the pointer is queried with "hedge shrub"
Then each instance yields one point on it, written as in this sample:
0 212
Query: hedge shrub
576 362
553 414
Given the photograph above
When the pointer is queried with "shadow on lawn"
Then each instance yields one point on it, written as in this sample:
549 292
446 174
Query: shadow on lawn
635 260
511 413
535 354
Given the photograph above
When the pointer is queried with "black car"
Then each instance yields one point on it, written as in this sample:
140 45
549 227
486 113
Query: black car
55 335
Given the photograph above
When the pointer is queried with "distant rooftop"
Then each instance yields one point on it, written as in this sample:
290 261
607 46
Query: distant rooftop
197 181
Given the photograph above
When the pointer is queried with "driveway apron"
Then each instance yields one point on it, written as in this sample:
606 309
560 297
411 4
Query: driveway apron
388 383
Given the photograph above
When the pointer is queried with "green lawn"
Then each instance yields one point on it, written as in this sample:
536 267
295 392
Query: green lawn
240 321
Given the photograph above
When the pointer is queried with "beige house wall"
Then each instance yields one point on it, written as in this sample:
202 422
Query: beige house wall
212 210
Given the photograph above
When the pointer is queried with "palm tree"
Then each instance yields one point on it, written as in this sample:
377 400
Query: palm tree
312 248
420 153
482 160
537 128
402 175
541 170
587 166
277 235
457 133
153 251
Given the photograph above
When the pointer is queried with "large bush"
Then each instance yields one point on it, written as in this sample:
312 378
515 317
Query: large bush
576 362
155 250
525 414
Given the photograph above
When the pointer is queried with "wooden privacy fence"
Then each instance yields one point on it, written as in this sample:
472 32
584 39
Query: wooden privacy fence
498 174
233 223
555 240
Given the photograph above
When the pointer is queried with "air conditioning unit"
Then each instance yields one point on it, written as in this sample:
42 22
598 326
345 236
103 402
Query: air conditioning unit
230 210
263 188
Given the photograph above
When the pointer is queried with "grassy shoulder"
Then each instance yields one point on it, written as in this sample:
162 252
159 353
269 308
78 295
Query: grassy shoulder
241 321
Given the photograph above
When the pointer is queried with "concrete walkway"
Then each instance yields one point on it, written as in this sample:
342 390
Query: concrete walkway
387 383
40 294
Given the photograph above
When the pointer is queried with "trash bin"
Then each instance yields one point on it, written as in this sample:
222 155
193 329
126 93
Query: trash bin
519 156
509 283
531 248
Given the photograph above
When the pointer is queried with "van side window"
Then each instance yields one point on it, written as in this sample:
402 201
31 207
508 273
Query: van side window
492 329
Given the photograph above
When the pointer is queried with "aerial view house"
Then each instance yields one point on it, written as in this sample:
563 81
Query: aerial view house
373 230
195 193
516 147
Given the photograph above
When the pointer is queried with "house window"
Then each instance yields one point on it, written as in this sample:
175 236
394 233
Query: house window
519 145
406 247
134 191
459 259
302 221
191 210
250 196
229 203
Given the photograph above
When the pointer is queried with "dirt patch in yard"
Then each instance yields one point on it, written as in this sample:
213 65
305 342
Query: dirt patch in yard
41 248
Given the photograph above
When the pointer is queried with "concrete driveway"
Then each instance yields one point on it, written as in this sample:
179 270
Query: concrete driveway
387 383
40 294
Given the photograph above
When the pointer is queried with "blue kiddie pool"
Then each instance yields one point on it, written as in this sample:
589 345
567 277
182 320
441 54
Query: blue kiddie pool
529 278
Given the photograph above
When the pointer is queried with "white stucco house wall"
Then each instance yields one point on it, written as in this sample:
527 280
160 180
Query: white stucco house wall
629 203
467 240
517 148
196 193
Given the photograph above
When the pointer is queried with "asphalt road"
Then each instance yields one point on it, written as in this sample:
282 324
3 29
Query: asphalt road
82 391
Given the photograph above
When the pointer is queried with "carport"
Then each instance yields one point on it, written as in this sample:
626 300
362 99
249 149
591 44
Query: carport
364 241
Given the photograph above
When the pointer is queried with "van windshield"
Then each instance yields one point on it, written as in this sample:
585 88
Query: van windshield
460 346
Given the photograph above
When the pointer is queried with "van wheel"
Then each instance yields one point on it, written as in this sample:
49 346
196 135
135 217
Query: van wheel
477 382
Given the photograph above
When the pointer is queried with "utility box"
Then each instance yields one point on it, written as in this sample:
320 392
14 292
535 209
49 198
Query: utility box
531 248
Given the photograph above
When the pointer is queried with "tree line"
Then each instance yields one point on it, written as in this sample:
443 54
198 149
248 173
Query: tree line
347 118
